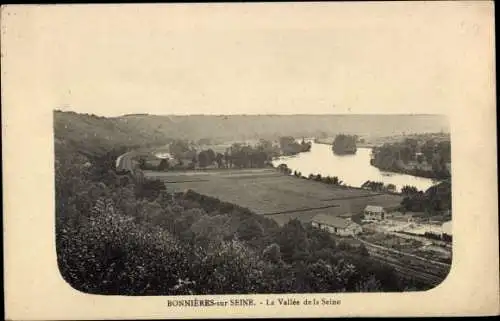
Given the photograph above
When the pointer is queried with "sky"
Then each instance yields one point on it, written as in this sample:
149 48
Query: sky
277 58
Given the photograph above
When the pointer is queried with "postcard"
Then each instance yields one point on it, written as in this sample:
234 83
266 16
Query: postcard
249 160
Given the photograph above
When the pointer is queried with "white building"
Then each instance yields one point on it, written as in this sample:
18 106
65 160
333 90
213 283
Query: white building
374 213
336 225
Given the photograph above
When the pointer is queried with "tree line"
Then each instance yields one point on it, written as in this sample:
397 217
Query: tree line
435 200
238 155
332 180
379 186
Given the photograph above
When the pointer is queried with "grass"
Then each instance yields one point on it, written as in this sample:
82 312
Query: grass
268 192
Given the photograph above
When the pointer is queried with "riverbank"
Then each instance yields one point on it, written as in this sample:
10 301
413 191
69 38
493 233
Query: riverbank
412 171
396 170
354 170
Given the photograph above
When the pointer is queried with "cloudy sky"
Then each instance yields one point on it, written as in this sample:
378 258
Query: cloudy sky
255 59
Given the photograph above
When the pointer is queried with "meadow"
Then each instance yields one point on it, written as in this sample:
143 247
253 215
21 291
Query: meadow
270 193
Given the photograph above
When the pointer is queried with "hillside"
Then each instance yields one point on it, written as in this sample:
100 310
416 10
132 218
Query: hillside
89 131
272 126
93 135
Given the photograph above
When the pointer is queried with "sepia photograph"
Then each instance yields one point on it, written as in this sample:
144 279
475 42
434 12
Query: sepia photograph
221 204
188 172
200 150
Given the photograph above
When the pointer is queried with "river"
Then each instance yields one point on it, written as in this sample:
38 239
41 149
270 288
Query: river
353 170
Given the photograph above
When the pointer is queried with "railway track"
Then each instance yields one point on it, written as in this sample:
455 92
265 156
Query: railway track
408 265
408 272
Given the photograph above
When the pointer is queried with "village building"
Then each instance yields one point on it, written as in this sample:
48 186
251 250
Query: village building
336 225
374 213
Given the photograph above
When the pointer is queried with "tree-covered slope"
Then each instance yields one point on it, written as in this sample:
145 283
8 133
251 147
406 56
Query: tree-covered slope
94 135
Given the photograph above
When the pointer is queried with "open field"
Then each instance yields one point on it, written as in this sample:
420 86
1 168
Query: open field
268 192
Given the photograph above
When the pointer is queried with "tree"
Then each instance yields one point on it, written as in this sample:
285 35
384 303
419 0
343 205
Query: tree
289 146
371 284
250 229
164 165
362 250
179 148
151 212
406 154
344 144
293 241
142 163
212 228
219 158
203 159
150 189
210 156
409 190
272 253
283 168
428 149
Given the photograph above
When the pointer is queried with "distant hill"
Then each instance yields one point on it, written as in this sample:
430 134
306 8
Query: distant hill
273 126
94 133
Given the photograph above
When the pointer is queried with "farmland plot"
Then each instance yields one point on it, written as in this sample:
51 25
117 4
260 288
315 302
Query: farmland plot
268 192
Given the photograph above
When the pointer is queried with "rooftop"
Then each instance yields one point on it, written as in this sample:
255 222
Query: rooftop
334 221
374 208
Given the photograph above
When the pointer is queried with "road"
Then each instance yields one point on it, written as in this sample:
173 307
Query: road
125 162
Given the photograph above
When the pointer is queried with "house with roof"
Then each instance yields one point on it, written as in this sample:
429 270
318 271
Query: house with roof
336 225
374 213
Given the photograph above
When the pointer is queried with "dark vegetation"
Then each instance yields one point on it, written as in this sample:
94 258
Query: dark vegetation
379 186
344 144
185 155
289 146
331 180
425 158
435 199
237 155
120 234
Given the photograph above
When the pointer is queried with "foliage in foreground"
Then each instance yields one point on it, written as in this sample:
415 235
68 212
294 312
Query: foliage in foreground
116 236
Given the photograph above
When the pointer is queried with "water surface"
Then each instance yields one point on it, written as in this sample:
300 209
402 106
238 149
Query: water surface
353 170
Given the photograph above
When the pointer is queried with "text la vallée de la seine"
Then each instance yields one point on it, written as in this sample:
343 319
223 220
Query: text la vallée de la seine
251 302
